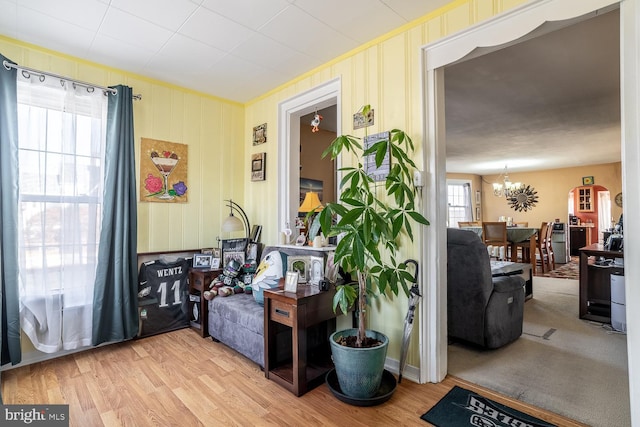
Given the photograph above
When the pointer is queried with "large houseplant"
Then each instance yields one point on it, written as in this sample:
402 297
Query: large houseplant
370 218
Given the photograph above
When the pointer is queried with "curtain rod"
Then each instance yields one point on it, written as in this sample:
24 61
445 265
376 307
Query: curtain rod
8 65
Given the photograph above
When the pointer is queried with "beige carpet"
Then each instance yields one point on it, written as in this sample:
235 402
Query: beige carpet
569 366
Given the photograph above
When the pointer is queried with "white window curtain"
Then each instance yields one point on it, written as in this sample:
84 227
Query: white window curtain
61 157
604 214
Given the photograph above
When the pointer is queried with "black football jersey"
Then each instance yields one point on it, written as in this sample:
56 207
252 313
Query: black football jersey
163 296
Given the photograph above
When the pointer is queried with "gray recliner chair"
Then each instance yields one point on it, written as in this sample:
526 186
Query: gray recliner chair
483 310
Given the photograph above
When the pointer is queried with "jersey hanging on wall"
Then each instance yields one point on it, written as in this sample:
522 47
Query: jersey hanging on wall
163 296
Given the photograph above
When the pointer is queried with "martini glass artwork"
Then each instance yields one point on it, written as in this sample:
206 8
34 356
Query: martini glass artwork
165 164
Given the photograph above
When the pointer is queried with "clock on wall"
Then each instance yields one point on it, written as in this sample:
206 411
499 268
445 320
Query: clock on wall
618 199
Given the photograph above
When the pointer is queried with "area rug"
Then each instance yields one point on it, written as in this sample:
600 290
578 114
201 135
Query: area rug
461 407
570 270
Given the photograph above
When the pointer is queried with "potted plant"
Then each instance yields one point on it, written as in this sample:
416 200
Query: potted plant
372 216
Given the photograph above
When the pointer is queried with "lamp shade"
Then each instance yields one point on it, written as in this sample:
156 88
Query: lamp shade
232 223
310 203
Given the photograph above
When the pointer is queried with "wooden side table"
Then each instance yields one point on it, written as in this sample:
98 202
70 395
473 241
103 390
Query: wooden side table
595 282
199 281
299 311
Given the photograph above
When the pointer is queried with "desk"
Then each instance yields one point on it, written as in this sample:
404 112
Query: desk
595 283
299 311
517 235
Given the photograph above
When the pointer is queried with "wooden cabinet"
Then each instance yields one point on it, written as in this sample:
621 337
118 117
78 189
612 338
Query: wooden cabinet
595 282
307 313
586 202
199 281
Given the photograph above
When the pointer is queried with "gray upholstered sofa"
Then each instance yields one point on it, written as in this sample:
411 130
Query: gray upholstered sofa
238 320
483 310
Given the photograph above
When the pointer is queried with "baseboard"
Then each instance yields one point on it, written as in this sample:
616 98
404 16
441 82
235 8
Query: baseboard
410 372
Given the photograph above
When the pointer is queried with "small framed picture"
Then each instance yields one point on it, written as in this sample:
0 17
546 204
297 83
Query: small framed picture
260 134
587 180
215 263
258 161
291 281
202 260
478 197
207 251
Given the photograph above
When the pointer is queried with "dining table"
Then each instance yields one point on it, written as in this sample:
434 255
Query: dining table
516 235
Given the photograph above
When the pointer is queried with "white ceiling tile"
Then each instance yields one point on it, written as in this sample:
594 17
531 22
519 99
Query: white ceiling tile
87 14
131 29
302 32
170 14
263 50
181 53
372 17
215 30
8 18
249 13
33 27
116 53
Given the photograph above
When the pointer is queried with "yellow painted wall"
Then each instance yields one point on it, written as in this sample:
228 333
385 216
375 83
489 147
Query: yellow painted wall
386 74
553 187
212 128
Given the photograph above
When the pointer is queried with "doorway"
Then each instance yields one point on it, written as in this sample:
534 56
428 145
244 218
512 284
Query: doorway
290 113
506 29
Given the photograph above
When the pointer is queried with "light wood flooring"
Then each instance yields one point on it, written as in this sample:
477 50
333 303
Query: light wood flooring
180 379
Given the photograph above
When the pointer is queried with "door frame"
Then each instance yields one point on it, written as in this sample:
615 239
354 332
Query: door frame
506 28
289 113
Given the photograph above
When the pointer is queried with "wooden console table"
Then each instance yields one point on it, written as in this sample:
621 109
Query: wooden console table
199 281
595 282
299 311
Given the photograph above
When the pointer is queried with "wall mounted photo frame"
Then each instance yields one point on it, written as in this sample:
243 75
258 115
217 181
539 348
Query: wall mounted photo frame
258 164
260 134
587 180
377 173
478 197
360 121
291 281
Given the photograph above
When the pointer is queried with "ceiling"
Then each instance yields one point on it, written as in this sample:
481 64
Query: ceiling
233 49
550 102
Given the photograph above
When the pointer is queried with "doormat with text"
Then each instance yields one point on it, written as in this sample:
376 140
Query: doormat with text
461 407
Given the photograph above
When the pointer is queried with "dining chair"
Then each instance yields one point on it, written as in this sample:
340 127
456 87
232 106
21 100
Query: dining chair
542 253
495 234
550 255
462 224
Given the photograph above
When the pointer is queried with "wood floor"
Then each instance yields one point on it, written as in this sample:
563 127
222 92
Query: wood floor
180 379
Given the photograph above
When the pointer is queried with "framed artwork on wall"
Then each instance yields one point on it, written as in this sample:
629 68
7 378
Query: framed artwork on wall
258 164
260 134
587 180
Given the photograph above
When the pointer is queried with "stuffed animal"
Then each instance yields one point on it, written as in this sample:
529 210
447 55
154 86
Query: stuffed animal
227 283
267 276
315 123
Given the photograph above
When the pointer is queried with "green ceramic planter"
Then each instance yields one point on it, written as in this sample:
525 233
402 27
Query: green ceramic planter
359 370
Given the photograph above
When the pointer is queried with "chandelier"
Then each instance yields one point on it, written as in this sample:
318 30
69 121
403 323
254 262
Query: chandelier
506 188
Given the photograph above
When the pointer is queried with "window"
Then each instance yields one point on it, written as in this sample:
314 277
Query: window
61 155
458 202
